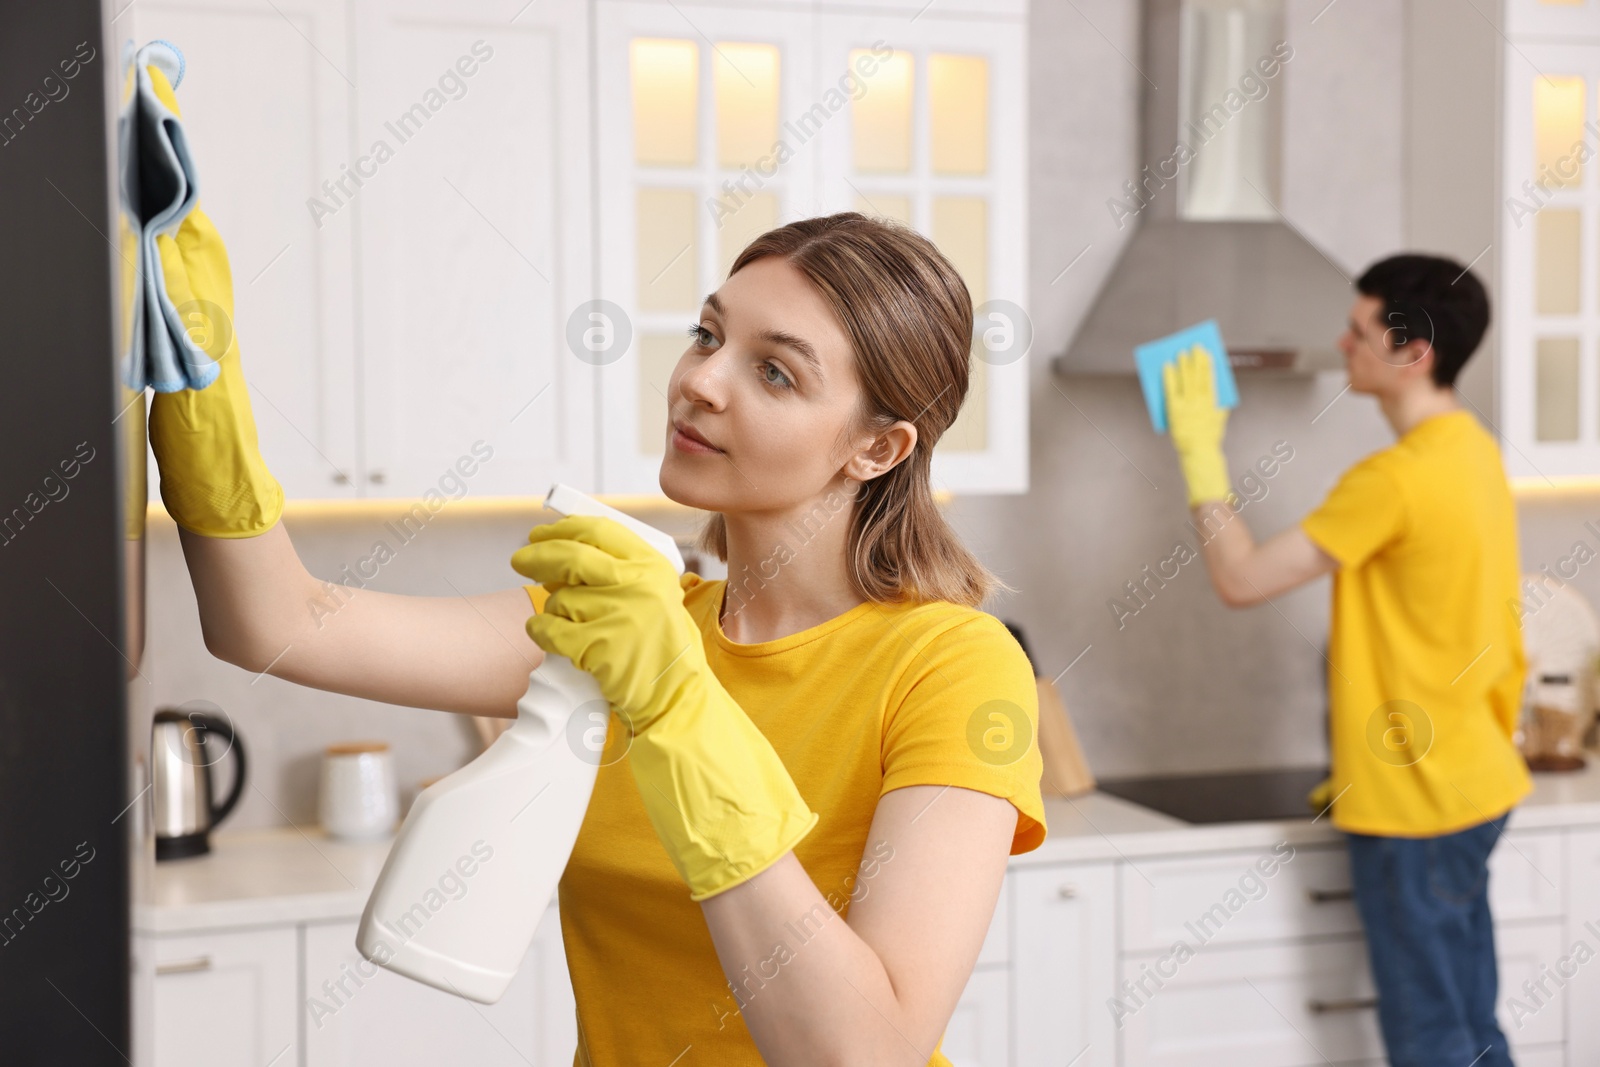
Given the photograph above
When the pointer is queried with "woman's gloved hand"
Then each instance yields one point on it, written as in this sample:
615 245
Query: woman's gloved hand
1197 424
213 479
717 793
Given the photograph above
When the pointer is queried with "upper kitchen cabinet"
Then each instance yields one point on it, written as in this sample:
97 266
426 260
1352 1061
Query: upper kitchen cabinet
1550 238
469 174
715 124
691 107
1552 18
936 137
265 124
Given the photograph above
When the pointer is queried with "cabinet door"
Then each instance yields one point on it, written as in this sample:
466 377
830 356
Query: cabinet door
936 137
1064 966
471 147
1530 952
266 98
978 1034
222 999
358 1014
1583 925
1550 253
704 130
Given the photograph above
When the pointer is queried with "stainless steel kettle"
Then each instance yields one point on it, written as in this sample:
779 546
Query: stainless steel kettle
184 746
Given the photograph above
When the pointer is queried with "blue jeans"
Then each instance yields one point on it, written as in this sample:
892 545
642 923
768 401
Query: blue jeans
1425 905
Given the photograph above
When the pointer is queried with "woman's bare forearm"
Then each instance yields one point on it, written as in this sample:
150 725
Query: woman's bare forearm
260 609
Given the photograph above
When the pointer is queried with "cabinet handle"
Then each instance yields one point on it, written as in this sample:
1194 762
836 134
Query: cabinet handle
1068 890
199 963
377 477
1322 1007
341 478
1327 896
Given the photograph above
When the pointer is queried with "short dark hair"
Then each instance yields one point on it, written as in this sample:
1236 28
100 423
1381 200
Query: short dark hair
1434 299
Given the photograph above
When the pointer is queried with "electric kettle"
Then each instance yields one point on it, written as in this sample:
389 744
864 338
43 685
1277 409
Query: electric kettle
184 746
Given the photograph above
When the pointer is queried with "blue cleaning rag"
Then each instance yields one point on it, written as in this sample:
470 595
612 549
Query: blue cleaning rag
159 189
1153 356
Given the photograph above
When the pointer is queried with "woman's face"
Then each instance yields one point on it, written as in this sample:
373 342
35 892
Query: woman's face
769 380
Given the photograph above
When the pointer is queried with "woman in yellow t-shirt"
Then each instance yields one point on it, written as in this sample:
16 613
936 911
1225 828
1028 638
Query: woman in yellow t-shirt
817 768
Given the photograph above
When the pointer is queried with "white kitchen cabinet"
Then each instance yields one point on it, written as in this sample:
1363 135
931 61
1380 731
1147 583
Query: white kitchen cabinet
1064 964
266 124
978 1034
716 123
1523 950
356 1013
1226 899
475 246
1553 18
223 999
939 140
1282 1004
691 105
1550 240
1582 926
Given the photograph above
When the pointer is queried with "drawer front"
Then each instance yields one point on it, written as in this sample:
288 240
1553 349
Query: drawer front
1237 898
1526 872
1266 1006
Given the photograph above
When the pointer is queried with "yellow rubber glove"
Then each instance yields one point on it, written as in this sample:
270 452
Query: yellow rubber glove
719 797
1196 424
213 479
1321 796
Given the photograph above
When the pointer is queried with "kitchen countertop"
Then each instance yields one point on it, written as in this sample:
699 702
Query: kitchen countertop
289 875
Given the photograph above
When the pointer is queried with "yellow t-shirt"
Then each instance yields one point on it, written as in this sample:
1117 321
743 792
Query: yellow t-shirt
880 697
1425 649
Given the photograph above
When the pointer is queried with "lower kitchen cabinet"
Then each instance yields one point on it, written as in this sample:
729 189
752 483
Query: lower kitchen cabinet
1275 1005
1582 928
1064 962
978 1034
220 999
356 1013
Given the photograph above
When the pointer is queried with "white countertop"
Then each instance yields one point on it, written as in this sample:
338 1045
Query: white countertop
287 875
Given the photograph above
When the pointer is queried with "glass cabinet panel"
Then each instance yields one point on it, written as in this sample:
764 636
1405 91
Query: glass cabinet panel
958 110
886 205
740 223
658 357
1557 259
668 253
881 116
961 230
1558 130
666 78
1556 400
746 86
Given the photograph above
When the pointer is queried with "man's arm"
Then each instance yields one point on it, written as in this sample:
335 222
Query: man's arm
1245 573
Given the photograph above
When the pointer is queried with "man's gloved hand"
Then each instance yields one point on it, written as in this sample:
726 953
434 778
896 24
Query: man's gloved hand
717 793
213 479
1197 423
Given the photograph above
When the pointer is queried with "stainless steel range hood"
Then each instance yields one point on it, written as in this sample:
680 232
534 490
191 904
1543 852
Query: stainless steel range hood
1210 241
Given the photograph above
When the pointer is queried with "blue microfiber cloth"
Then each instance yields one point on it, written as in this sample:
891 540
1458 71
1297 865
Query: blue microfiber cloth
1153 356
159 189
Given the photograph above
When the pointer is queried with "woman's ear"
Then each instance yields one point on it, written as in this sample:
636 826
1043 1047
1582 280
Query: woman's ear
882 452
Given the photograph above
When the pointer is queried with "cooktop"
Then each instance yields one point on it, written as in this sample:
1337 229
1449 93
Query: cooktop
1228 796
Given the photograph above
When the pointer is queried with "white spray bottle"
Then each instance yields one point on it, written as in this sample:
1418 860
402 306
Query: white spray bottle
477 860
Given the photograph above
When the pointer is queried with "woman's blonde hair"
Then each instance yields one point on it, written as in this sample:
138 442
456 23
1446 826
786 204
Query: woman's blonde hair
909 318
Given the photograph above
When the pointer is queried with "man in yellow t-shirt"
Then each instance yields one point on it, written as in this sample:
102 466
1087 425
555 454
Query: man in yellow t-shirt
1425 660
